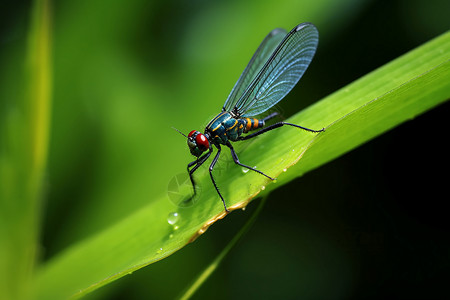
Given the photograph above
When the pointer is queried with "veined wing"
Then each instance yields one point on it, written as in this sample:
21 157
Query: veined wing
282 71
262 54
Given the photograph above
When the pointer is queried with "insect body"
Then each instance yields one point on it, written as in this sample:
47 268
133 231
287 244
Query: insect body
275 68
225 127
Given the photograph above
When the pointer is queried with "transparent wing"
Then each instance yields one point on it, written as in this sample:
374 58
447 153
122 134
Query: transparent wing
262 54
281 72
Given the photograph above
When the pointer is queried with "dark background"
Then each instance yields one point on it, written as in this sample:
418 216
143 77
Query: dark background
370 224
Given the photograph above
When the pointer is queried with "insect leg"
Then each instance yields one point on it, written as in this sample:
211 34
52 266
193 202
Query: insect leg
236 160
276 125
211 167
197 163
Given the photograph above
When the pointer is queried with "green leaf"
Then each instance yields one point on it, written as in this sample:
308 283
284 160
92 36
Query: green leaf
395 93
24 131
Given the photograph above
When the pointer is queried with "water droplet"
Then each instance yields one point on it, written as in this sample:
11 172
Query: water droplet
176 227
263 187
244 170
159 251
171 236
254 167
243 209
173 218
285 169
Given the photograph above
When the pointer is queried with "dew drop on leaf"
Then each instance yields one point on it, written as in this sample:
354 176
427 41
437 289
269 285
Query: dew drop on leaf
173 218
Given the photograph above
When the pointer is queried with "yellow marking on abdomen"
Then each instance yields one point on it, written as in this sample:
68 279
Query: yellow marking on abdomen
249 124
256 123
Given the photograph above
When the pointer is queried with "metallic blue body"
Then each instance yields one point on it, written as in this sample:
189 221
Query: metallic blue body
225 127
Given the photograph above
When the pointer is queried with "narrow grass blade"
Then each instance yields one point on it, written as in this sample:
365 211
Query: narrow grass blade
24 137
215 264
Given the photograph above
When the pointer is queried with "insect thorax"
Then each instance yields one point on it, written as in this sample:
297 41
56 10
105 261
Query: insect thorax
225 127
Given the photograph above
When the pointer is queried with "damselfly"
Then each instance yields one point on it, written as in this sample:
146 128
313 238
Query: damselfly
275 68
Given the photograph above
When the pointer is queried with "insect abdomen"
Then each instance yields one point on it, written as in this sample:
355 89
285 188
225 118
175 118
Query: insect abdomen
252 124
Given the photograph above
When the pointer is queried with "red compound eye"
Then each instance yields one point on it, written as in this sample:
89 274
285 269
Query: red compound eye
191 133
202 142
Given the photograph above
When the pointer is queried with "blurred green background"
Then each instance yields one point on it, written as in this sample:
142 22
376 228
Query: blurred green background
374 222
